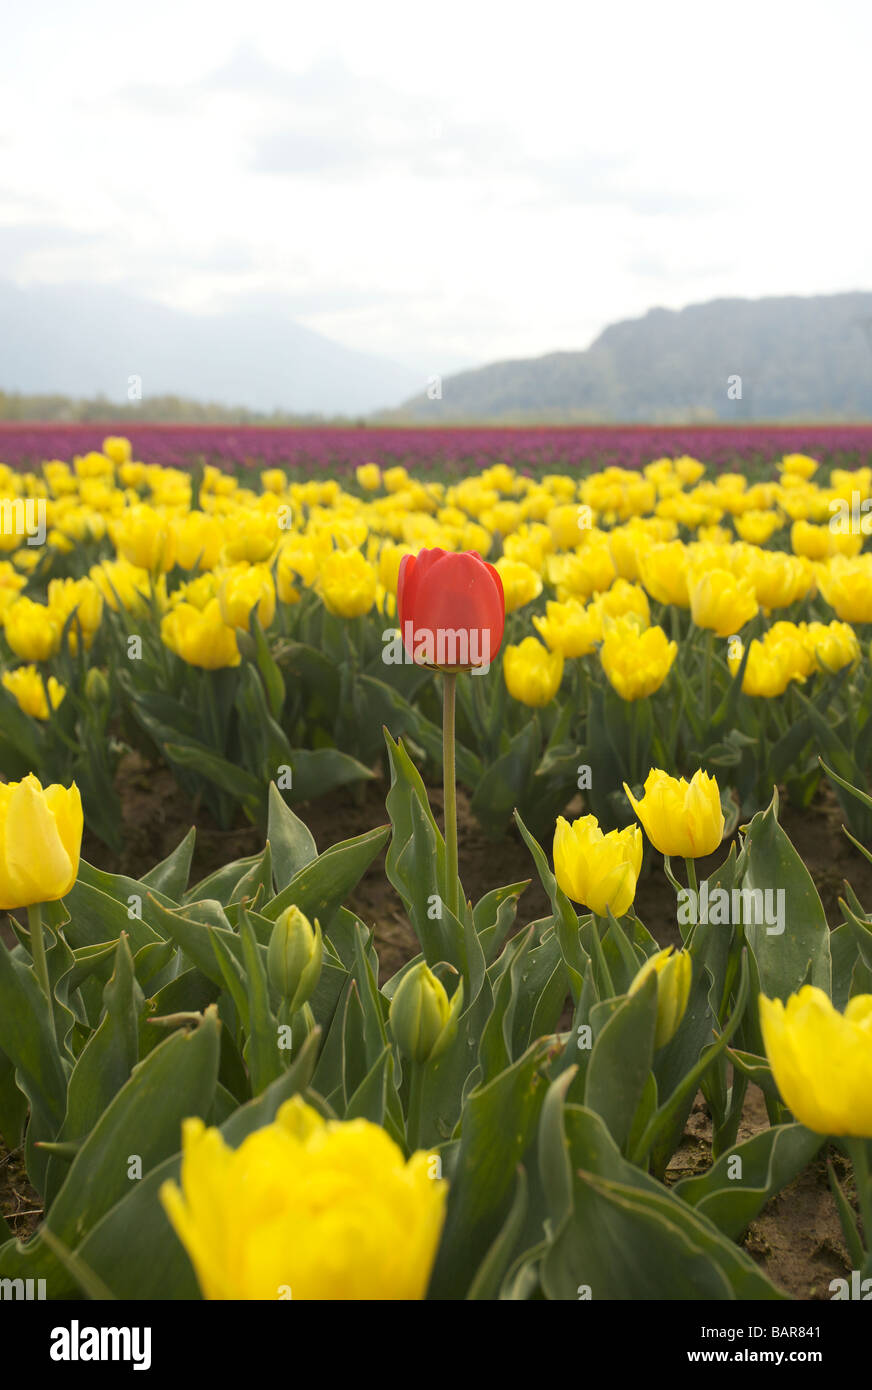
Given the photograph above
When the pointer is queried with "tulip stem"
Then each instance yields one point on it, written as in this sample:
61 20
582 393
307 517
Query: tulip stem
694 888
449 786
858 1151
37 951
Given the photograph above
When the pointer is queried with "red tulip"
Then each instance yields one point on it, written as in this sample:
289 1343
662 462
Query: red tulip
451 609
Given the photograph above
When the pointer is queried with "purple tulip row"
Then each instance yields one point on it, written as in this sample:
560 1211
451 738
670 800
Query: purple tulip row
336 449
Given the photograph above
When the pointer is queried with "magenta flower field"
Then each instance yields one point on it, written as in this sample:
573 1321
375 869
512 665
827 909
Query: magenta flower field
27 445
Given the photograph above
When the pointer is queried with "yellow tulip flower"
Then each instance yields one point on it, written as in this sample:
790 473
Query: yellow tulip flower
200 636
680 818
532 673
26 684
32 630
673 990
521 584
636 662
719 601
599 871
847 587
347 584
822 1060
243 588
306 1209
569 628
41 839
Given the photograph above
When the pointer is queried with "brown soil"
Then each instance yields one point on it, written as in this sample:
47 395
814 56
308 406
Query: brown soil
796 1239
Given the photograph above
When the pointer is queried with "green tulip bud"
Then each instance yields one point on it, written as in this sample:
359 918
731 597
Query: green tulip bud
96 687
294 957
419 1012
673 990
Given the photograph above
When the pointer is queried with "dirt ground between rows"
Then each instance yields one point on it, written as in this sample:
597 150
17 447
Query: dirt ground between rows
796 1239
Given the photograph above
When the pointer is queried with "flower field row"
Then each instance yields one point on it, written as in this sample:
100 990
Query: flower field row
246 634
339 450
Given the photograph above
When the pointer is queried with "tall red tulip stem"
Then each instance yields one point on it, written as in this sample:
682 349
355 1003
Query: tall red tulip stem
449 787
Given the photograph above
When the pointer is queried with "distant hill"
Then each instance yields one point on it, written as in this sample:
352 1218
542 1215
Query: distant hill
81 341
798 359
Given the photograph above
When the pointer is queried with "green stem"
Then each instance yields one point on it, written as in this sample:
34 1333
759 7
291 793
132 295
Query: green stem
694 888
415 1115
599 954
37 951
858 1149
449 787
707 677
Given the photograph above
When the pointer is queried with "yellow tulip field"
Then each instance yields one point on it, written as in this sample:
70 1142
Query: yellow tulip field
272 741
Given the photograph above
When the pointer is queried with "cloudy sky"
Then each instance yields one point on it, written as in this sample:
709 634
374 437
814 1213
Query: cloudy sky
442 184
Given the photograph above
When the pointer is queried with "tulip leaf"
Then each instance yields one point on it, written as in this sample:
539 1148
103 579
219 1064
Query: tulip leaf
800 952
504 782
110 1054
320 770
27 1039
621 1061
291 842
13 1105
499 1121
319 888
261 1048
196 757
491 1271
494 914
170 876
742 1181
627 1237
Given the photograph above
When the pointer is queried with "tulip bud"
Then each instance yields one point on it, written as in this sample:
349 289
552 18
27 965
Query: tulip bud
419 1012
294 957
673 990
96 687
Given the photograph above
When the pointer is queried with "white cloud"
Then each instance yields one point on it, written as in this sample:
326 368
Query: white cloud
438 185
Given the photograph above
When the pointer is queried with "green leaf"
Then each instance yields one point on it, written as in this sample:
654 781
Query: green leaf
499 1121
293 847
170 876
767 1163
621 1061
802 953
493 1267
320 887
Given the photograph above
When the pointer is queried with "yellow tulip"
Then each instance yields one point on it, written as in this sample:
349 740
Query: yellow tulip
145 538
822 1060
368 476
306 1209
200 636
118 449
636 663
347 584
32 630
833 645
569 628
719 601
40 842
199 541
599 871
532 673
26 684
799 465
673 990
128 587
847 587
274 480
663 571
79 596
770 667
243 588
680 818
521 584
